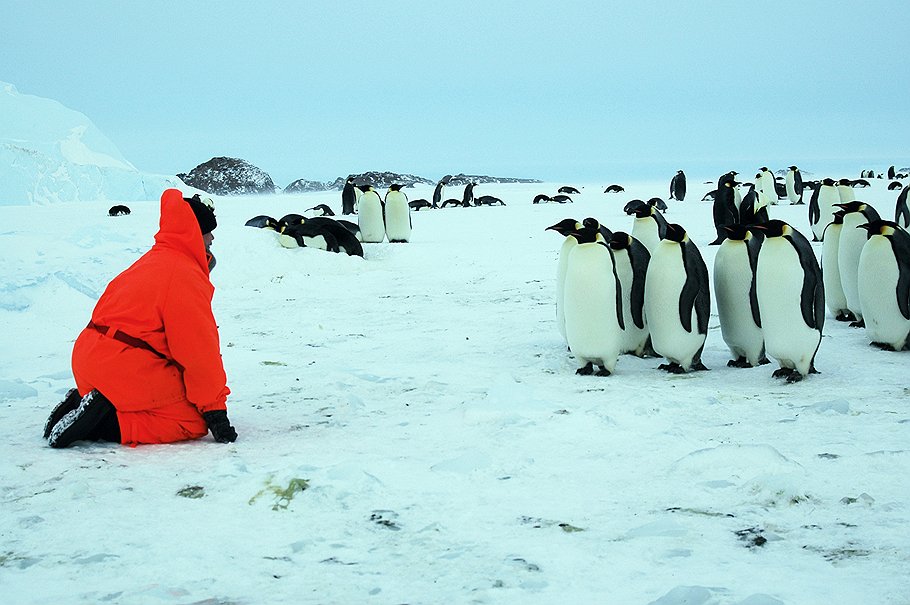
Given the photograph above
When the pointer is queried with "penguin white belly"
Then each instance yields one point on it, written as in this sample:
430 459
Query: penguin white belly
645 231
767 187
317 241
663 286
592 328
567 245
790 183
397 218
732 282
763 200
779 282
634 339
849 248
834 292
845 193
827 197
369 218
877 284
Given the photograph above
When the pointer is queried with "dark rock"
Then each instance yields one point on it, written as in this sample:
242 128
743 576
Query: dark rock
380 180
229 176
305 186
464 179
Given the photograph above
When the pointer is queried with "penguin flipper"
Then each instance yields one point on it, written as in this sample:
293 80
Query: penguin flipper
692 295
814 212
639 258
619 313
812 295
753 248
900 243
661 224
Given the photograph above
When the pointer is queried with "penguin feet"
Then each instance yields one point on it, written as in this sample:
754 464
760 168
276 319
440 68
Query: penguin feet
794 377
845 316
884 346
603 372
672 368
858 324
742 362
587 370
783 373
698 366
763 361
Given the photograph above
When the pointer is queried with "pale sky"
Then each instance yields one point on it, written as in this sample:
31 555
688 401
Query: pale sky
549 90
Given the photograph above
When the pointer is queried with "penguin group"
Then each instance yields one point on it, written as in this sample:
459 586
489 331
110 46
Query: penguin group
319 232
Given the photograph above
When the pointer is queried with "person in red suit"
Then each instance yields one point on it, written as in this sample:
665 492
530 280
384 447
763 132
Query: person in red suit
148 366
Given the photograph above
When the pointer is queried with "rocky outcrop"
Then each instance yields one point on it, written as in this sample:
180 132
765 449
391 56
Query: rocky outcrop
381 180
464 179
229 176
305 186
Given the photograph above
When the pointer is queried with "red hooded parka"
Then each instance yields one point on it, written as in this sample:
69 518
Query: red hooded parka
165 300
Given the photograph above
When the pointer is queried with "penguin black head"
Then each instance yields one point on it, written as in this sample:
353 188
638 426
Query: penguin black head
587 235
828 182
844 182
620 240
676 233
738 232
365 188
838 217
591 222
658 203
774 228
764 169
854 206
395 187
634 206
565 226
291 219
794 168
880 227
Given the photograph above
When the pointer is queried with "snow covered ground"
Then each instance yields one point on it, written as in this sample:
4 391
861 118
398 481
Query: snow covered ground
412 431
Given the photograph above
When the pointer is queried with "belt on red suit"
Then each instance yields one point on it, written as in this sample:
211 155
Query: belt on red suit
131 341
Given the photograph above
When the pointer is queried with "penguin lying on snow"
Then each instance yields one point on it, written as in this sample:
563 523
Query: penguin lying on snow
614 189
295 230
420 204
319 210
568 189
118 210
791 300
488 200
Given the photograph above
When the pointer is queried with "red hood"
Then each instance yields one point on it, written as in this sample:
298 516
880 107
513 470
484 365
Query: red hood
178 228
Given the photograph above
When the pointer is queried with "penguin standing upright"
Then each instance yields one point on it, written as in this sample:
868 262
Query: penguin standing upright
649 225
763 200
468 195
678 186
678 301
631 259
369 217
834 291
901 210
884 284
440 188
737 302
821 207
397 215
765 184
348 197
891 173
593 304
566 227
752 210
791 299
726 207
794 184
849 249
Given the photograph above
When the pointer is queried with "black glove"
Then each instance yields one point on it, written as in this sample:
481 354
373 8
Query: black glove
221 428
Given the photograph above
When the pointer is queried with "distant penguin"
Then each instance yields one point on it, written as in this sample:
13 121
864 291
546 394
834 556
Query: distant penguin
791 300
439 190
845 191
726 207
894 186
794 184
593 304
420 204
891 173
737 302
834 291
849 249
262 221
541 197
821 207
397 215
649 225
884 284
631 259
561 199
369 217
568 189
765 184
678 186
751 212
863 183
901 210
319 210
488 200
658 203
566 228
118 210
468 195
678 301
348 197
763 200
614 189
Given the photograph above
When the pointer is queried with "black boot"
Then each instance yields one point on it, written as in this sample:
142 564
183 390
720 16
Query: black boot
70 402
91 420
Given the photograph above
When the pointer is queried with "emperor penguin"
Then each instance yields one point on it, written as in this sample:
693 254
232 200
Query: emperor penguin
678 186
566 228
794 184
348 197
359 190
649 225
901 211
765 184
821 207
468 195
763 200
440 189
849 249
306 235
737 302
751 210
884 284
845 191
726 206
593 304
369 217
834 291
791 299
397 215
631 259
678 301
